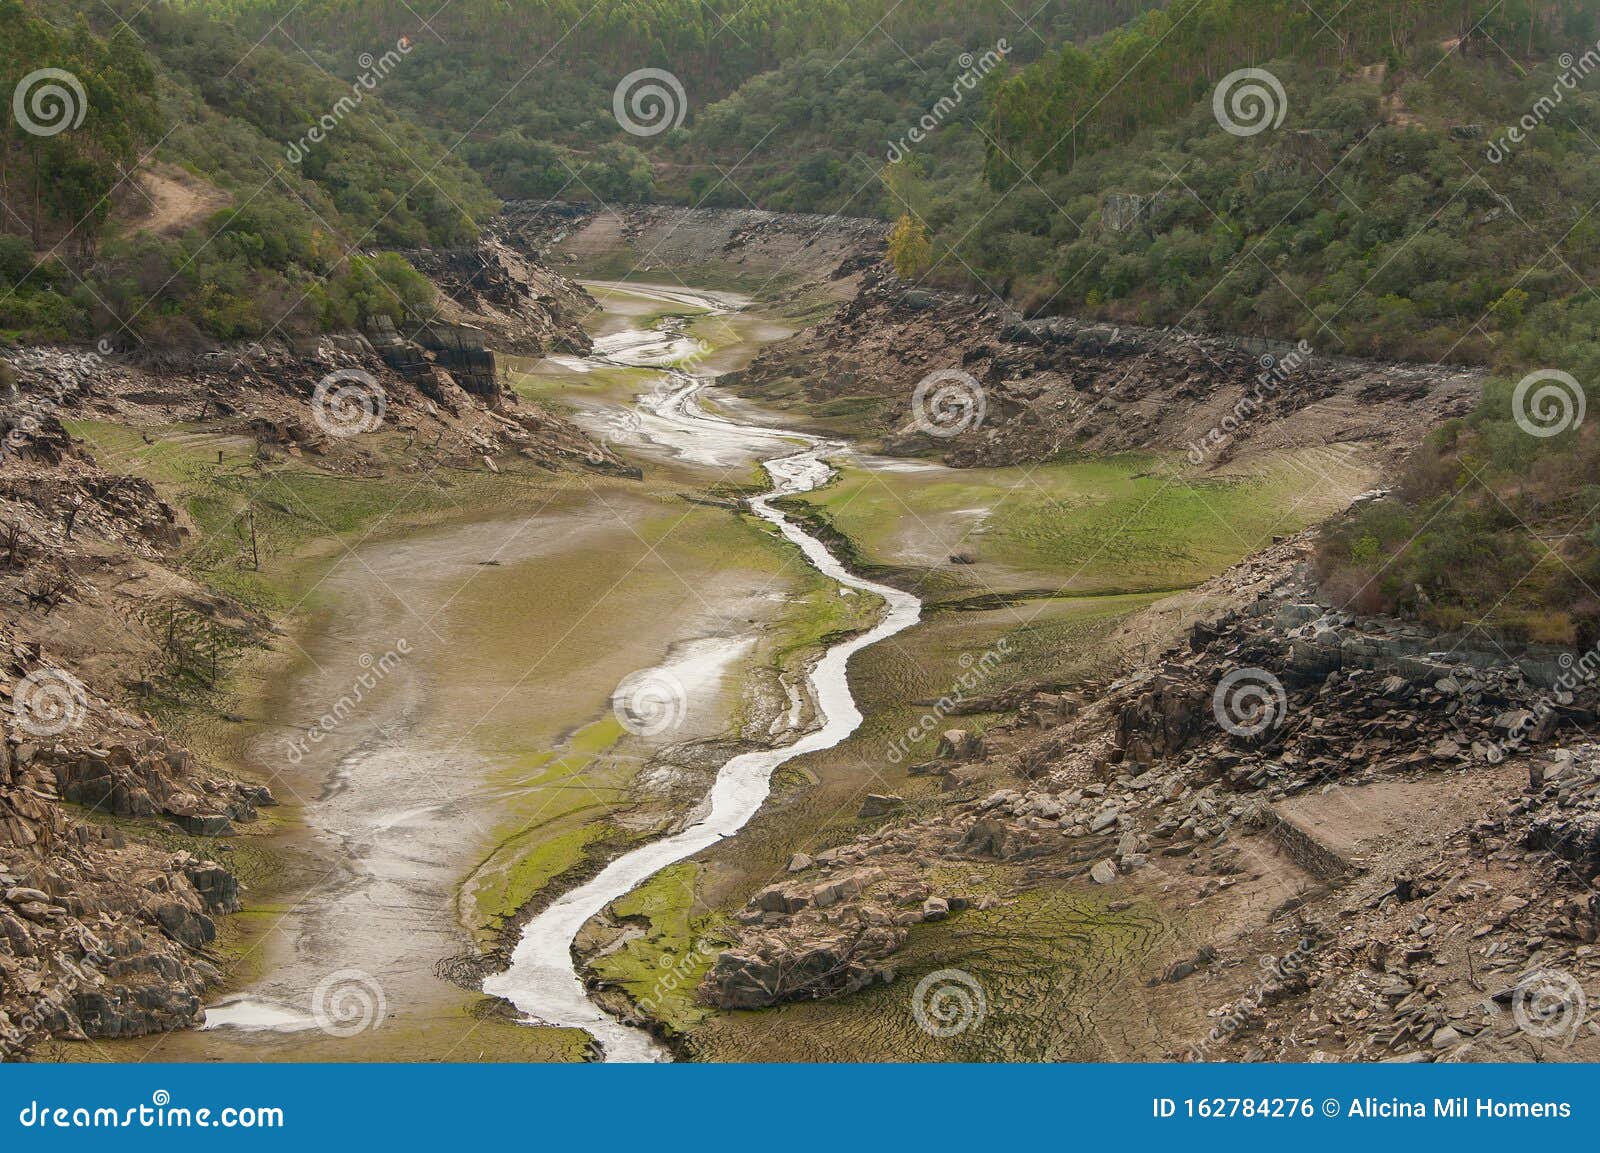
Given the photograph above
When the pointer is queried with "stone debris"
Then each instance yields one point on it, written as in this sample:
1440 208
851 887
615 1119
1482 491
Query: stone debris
1057 384
101 934
1380 956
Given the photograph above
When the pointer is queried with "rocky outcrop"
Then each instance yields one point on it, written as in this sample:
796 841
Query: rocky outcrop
1041 387
1165 785
506 296
801 948
1289 694
774 968
99 936
154 778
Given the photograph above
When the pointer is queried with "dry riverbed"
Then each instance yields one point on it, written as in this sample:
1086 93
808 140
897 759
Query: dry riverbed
485 771
476 763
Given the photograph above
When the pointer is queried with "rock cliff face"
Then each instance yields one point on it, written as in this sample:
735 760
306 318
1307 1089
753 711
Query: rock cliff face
517 304
101 936
1052 386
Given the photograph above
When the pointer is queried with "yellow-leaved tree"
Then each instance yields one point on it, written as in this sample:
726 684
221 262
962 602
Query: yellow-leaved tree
910 251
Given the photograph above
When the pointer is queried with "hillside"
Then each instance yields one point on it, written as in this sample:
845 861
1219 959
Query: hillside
1408 184
803 98
188 203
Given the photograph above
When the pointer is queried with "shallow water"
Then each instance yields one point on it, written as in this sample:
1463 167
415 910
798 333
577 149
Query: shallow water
542 980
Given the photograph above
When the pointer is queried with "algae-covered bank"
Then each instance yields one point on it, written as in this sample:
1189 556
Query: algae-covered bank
524 834
479 707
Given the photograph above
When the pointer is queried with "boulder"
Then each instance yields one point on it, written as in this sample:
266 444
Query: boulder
880 804
959 745
819 963
1105 819
781 898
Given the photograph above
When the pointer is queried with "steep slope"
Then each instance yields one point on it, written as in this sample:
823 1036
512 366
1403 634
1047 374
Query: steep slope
297 177
547 99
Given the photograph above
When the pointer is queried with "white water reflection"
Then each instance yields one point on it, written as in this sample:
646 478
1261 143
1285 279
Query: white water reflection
542 980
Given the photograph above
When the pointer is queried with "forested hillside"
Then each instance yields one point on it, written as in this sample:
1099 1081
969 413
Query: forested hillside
527 87
1410 181
282 251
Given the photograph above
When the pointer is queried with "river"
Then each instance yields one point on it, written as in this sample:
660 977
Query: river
542 980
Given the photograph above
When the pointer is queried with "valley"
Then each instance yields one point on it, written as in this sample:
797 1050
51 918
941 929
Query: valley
574 665
559 552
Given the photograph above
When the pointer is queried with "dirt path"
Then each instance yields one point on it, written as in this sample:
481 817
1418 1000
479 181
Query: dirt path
169 200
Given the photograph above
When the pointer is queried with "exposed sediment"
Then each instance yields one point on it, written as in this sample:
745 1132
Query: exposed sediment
764 249
103 934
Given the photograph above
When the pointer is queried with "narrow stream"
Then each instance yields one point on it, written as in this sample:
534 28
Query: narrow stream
542 980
